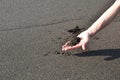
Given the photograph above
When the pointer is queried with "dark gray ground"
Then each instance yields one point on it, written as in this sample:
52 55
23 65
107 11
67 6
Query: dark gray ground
31 31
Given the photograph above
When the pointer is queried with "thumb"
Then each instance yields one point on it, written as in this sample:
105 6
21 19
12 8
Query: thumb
84 46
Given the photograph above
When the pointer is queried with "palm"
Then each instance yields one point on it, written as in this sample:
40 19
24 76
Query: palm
83 43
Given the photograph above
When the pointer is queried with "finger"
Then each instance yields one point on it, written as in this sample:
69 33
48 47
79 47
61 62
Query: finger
72 47
63 48
84 46
76 46
67 48
67 43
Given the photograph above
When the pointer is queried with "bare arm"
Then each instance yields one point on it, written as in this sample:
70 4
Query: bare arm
105 19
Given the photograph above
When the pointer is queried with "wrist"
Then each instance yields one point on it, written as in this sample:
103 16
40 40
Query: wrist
89 32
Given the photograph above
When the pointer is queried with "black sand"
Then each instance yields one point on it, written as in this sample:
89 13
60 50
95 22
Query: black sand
75 31
74 41
32 30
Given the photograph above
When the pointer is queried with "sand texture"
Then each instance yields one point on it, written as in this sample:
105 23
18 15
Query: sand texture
32 33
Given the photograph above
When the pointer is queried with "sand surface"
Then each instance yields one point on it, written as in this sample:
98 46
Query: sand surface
31 31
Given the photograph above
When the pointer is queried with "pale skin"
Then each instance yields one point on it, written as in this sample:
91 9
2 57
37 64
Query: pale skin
101 22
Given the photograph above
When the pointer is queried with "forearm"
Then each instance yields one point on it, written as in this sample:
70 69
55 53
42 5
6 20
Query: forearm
105 19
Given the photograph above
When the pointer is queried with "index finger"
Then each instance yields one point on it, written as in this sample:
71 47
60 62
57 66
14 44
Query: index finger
75 47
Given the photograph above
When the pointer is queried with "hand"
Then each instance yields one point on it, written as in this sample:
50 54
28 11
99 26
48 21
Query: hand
84 36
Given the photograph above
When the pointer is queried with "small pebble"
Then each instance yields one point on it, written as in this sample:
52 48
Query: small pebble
45 54
63 53
57 52
66 54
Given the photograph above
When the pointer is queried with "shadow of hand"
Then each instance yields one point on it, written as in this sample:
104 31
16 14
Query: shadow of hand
112 53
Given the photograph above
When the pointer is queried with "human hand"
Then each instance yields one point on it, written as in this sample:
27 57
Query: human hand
84 36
